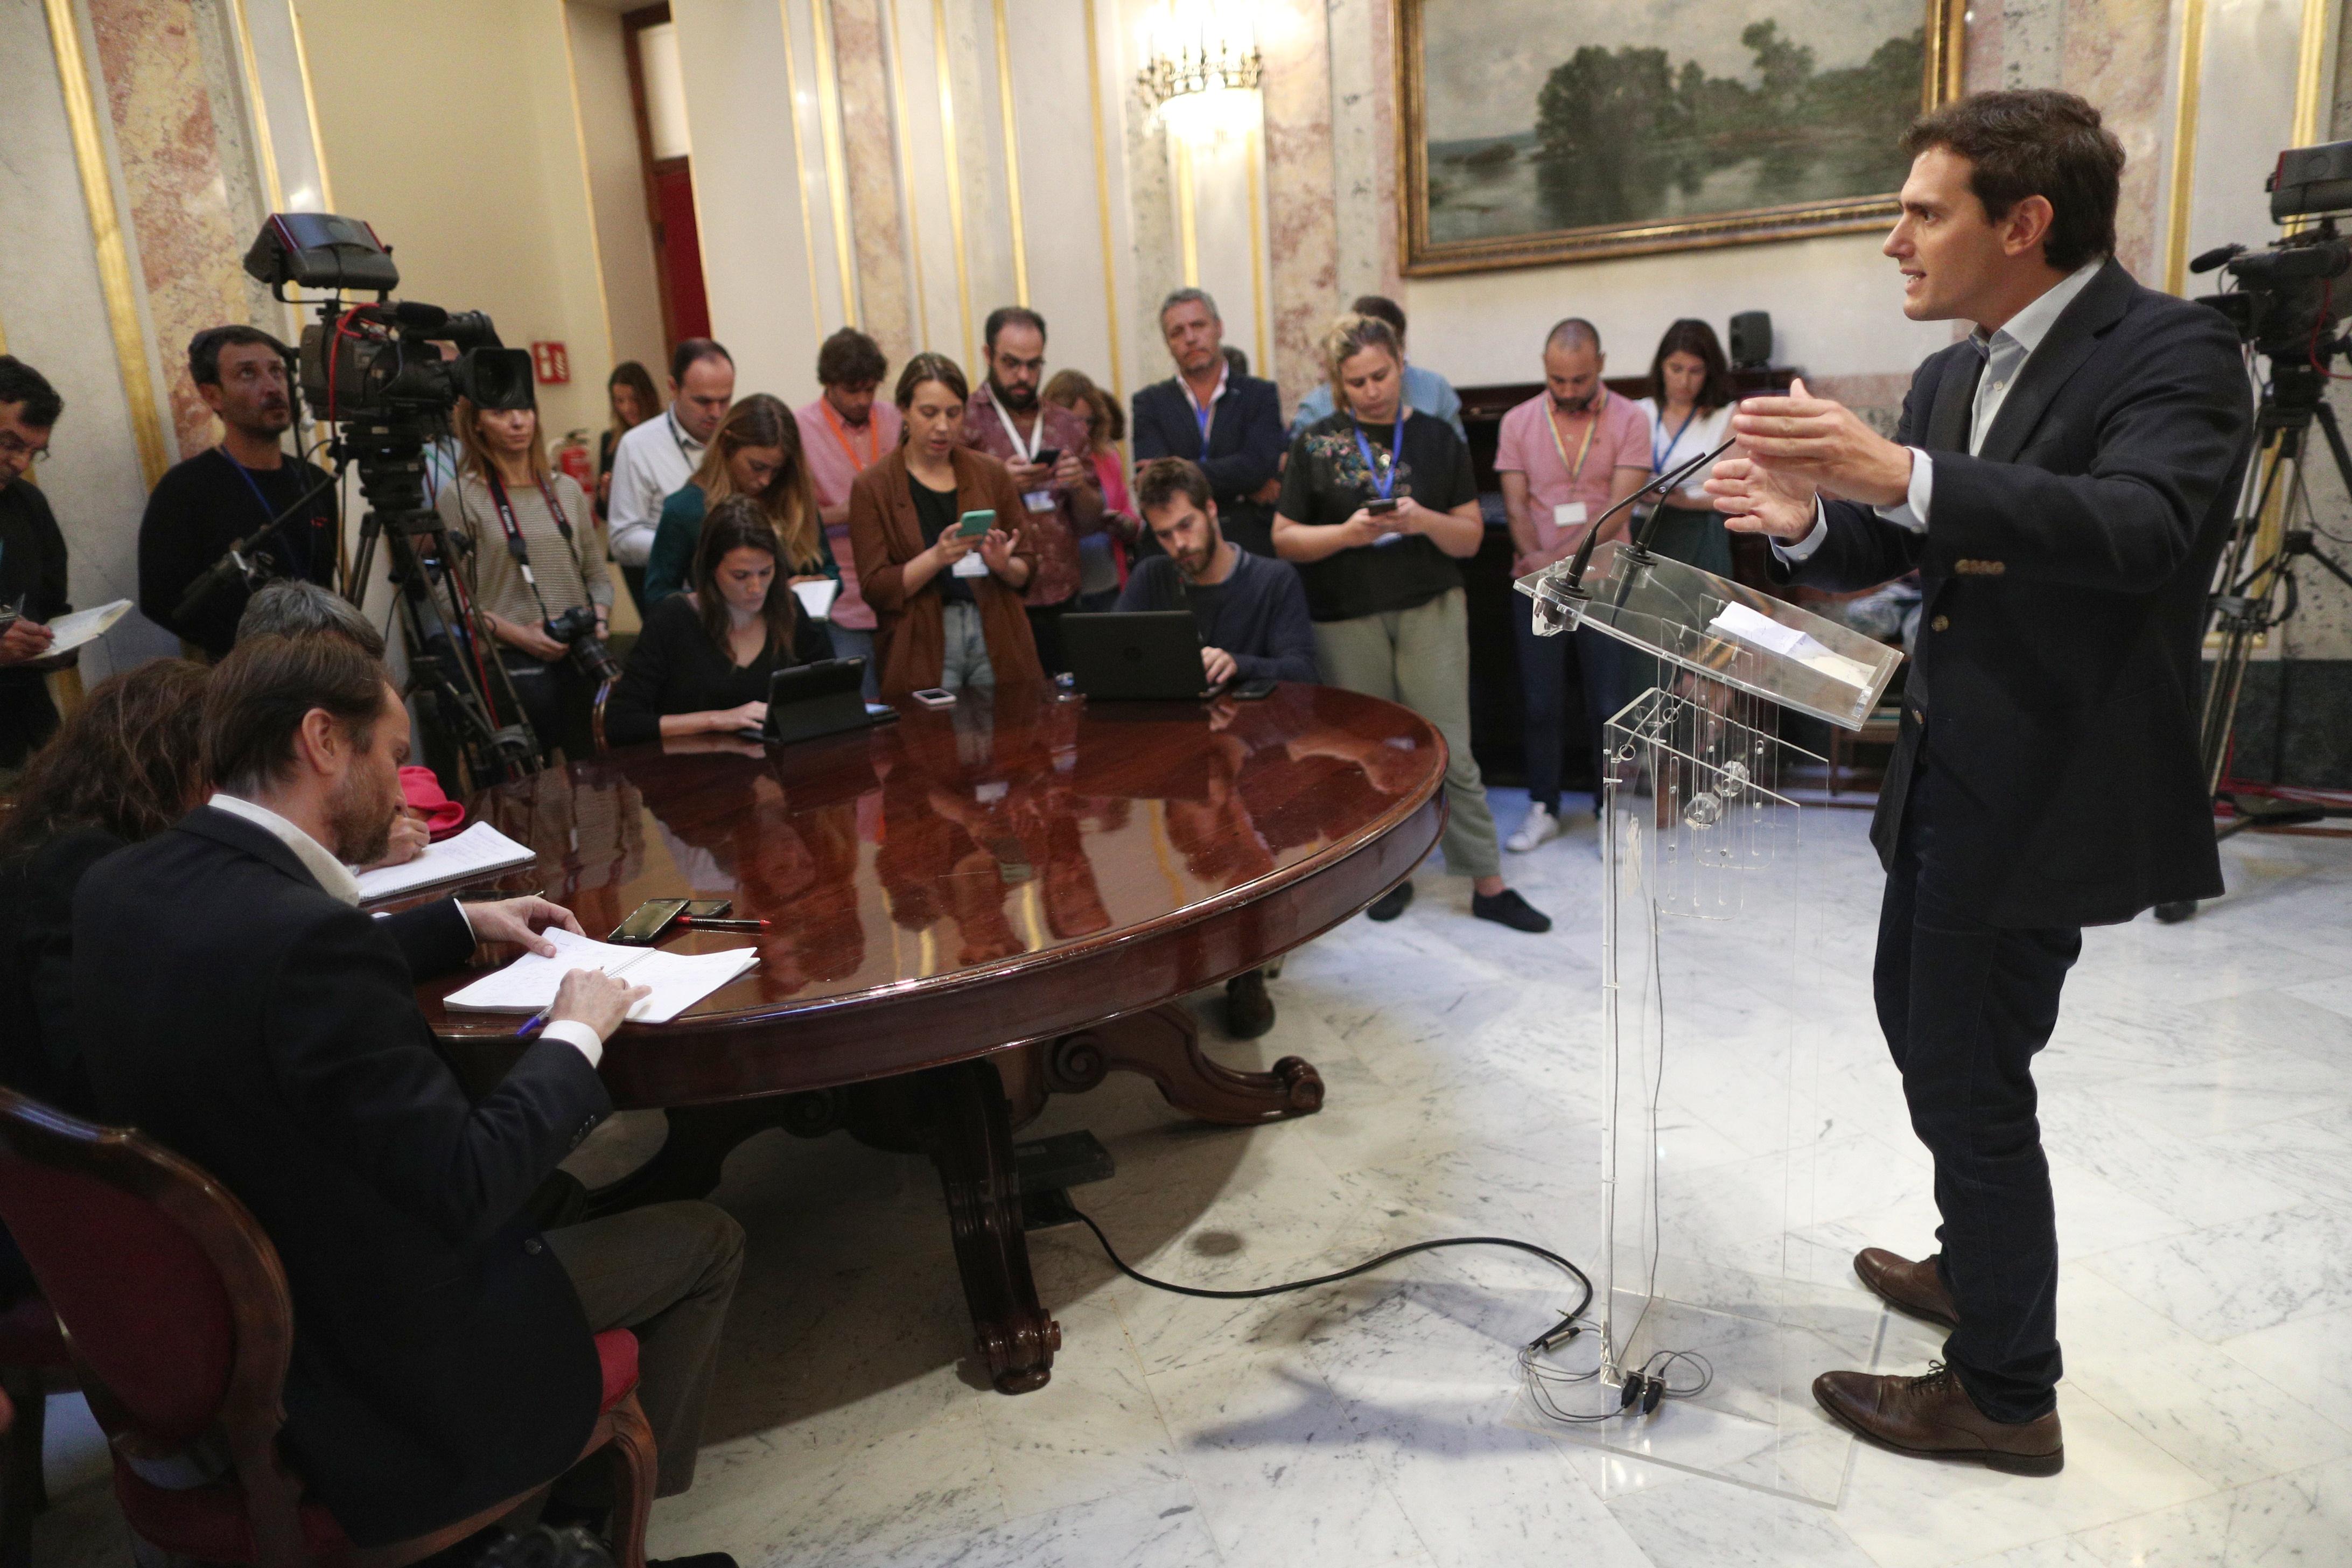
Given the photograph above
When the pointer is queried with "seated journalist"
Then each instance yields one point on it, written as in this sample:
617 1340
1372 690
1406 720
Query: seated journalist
1252 616
235 1003
703 662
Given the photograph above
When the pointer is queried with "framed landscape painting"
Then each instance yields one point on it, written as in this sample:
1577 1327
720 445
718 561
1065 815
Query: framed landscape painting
1545 131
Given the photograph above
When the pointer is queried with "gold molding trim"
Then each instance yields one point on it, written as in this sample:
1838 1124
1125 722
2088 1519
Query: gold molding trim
1102 195
1257 254
951 166
836 162
1944 24
251 66
907 173
1187 223
799 165
311 105
113 257
1012 157
2187 80
2310 72
587 183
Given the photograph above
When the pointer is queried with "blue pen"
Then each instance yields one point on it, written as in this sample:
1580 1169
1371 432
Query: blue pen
533 1024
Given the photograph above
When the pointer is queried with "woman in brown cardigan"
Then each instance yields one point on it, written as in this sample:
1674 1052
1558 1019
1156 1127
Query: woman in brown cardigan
947 609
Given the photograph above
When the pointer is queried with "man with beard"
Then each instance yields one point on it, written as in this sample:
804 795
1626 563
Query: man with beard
1566 456
237 1007
1252 616
1046 447
224 493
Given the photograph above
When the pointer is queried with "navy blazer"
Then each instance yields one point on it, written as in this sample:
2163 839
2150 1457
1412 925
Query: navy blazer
1246 447
2065 569
233 1010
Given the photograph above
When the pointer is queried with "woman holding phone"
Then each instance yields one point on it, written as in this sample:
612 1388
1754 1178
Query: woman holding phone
936 560
1378 506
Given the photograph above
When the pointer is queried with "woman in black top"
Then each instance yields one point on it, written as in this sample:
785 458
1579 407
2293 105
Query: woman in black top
1381 584
703 661
123 768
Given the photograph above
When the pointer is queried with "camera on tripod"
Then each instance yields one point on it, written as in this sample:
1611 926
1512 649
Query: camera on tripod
2285 302
377 377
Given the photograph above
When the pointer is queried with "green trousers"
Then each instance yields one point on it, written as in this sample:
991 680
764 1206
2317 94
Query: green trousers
1420 658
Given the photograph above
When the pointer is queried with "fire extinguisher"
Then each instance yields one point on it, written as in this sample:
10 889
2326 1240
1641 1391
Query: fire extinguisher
572 457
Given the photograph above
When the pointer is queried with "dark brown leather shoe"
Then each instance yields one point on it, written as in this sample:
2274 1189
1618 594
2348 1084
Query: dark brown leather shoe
1913 1288
1933 1417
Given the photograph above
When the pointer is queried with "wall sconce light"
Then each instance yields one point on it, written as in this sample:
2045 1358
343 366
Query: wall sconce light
1197 56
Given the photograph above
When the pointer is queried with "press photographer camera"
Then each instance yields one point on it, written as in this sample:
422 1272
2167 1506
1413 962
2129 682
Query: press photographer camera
385 378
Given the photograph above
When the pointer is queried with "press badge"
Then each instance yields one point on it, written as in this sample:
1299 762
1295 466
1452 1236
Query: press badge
1569 514
1038 500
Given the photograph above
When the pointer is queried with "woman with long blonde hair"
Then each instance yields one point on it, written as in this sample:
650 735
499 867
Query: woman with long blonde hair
756 452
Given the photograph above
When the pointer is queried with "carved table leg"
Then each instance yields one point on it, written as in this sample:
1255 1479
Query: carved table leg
1164 1044
689 1162
960 1114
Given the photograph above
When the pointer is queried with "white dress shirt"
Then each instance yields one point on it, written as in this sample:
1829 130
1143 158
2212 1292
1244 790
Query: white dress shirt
2004 350
335 879
653 461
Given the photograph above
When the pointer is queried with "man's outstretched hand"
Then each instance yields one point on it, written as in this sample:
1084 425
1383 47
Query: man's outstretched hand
1754 499
1821 442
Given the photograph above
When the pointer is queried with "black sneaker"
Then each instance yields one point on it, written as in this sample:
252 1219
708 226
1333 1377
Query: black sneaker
1390 904
1249 1011
1506 908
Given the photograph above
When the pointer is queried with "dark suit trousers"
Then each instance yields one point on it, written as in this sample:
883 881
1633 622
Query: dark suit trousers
1964 1006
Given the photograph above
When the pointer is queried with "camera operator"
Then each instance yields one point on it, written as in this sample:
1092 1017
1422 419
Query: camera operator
207 503
539 587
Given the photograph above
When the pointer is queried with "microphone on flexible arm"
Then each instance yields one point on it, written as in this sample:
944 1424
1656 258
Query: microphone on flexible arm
1639 545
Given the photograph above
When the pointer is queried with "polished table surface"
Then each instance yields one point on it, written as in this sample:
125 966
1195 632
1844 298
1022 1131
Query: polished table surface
959 880
969 909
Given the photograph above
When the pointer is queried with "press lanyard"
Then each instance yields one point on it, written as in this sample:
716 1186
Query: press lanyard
677 438
1384 487
521 551
268 513
873 440
1027 452
1593 423
1657 458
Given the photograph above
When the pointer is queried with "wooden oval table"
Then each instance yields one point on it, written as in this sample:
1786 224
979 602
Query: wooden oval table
969 909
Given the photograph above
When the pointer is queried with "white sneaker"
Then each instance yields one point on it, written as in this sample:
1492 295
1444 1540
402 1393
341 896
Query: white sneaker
1539 826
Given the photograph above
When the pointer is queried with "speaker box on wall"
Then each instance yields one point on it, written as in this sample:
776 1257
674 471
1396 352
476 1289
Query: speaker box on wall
1751 338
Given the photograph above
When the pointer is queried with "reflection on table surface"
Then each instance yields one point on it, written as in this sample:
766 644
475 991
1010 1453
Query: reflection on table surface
965 838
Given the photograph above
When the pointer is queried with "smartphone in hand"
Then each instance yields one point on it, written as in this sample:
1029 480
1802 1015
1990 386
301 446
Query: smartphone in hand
972 524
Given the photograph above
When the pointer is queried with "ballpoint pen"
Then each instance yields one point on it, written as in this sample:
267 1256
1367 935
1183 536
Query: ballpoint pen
533 1024
690 922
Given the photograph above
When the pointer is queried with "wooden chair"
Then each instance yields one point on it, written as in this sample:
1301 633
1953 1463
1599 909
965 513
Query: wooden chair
175 1308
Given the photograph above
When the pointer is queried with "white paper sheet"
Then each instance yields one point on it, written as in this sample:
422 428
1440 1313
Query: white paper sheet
481 849
678 979
69 632
1758 630
816 597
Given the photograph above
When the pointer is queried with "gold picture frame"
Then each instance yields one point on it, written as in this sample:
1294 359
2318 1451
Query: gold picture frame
1424 254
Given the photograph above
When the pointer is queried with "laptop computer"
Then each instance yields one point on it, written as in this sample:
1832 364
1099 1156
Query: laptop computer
806 701
1145 655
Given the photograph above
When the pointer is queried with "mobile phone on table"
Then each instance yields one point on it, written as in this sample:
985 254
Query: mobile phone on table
647 921
934 697
1046 457
974 523
1381 508
1253 690
710 909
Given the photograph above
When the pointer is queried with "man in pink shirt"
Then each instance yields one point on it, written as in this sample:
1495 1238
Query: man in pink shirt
1566 456
844 433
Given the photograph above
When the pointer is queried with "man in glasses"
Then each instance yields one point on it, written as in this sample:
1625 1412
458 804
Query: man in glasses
32 566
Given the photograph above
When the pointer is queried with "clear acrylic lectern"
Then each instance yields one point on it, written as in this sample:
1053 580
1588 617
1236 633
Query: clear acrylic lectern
1709 932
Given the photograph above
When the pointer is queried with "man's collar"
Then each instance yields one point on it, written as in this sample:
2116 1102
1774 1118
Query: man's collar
2033 324
332 876
1224 371
679 432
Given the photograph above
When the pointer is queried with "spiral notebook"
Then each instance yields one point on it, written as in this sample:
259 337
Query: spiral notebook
678 979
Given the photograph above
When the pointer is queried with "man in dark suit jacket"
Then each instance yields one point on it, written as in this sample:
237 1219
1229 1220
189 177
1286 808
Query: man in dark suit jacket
235 1005
1230 424
2063 480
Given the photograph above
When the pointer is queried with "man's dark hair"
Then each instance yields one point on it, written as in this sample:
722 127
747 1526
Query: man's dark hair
2034 142
1162 479
260 694
289 607
1694 337
20 383
692 352
1005 316
850 358
1381 306
205 349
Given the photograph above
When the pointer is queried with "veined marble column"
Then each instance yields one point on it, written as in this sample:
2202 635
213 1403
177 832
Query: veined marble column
868 151
2115 53
1302 213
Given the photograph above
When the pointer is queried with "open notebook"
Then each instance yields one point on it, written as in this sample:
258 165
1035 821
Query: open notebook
679 980
477 851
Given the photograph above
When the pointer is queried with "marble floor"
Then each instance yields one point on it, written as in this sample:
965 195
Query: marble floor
2197 1106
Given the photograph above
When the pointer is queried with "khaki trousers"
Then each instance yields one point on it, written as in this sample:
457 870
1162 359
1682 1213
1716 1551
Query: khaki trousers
1420 658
